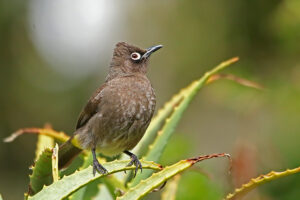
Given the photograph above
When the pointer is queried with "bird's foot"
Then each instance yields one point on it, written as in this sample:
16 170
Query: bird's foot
134 161
98 167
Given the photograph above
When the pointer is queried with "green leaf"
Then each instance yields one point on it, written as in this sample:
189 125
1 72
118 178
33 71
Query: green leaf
236 79
146 186
262 179
104 193
69 184
36 183
55 173
160 142
1 197
87 192
90 190
75 165
41 172
43 142
169 192
60 136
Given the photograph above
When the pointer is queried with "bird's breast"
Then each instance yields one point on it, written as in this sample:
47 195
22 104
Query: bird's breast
131 99
125 115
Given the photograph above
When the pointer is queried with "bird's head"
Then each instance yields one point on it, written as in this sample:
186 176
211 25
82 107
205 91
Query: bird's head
128 59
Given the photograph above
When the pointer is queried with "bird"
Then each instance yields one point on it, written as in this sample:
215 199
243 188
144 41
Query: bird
117 115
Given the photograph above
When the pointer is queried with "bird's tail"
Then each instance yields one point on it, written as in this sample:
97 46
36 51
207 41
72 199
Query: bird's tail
67 152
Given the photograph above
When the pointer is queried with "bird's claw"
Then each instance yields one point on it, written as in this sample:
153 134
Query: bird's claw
98 167
135 161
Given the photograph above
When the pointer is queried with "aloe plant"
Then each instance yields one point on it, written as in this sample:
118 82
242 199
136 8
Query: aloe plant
262 179
78 183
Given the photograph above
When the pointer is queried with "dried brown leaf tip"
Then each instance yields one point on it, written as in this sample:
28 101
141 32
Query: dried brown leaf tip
42 131
239 80
19 132
217 155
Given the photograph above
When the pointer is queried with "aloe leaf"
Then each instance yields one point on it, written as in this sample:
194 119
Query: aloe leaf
168 108
87 192
146 186
156 149
104 193
169 192
69 184
90 190
60 136
41 172
262 179
43 142
239 80
55 173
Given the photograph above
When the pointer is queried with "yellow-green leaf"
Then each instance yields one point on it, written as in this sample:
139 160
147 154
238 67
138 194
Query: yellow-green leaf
43 142
90 190
149 184
55 173
169 192
60 136
69 184
41 172
262 179
104 193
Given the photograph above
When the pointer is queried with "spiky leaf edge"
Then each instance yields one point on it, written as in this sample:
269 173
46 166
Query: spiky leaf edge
149 184
69 184
262 179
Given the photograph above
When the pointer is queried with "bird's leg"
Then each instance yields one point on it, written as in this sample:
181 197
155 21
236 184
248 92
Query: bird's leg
96 165
134 161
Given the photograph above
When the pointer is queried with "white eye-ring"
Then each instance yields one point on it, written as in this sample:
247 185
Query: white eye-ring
135 56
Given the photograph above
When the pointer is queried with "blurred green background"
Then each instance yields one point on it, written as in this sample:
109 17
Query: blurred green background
54 54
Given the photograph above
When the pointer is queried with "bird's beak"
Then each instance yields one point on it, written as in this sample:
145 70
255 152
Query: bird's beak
151 50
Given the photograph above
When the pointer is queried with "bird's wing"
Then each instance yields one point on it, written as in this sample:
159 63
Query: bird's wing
90 108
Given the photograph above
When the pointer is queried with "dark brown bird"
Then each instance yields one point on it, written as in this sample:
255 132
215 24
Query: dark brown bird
117 115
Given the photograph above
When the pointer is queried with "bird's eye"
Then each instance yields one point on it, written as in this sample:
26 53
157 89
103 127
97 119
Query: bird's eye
135 56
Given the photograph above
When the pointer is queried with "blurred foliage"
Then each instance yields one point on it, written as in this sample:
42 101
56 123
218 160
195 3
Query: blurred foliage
264 34
196 186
